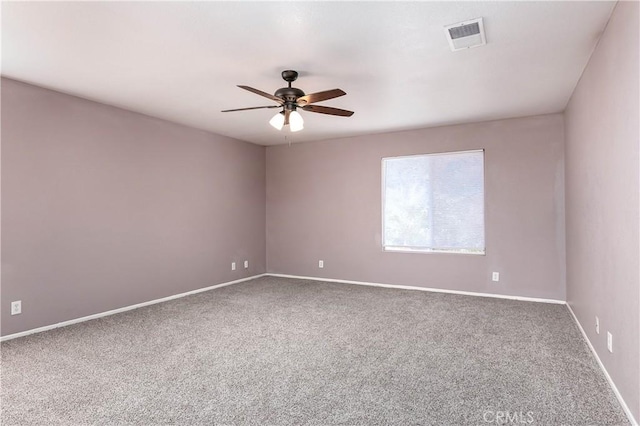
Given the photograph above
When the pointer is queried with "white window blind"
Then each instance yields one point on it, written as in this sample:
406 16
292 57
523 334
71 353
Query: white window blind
434 202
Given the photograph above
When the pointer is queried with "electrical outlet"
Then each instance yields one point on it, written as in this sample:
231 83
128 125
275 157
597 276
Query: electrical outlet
233 266
320 263
609 342
496 276
16 307
597 325
246 264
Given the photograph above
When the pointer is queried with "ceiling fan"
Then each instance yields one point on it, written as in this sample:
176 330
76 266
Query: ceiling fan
291 98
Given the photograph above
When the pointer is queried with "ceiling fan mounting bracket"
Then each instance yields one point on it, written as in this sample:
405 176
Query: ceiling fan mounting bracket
289 75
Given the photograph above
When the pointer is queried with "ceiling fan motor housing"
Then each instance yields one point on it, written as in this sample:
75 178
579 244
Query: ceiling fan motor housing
289 94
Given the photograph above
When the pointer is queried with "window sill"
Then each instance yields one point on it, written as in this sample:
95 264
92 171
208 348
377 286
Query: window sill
427 251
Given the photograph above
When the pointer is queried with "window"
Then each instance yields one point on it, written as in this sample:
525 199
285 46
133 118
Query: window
434 203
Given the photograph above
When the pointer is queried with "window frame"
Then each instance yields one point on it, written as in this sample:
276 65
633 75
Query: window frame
421 250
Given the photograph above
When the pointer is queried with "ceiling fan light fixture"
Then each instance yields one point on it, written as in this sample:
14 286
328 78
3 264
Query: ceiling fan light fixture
277 121
296 123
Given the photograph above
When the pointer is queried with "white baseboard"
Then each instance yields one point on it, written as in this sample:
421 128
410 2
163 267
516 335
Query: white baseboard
124 309
435 290
621 400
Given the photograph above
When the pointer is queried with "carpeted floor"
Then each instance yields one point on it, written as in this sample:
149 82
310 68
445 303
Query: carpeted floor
276 351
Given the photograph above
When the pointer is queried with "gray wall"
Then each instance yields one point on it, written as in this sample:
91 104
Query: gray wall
104 208
324 202
602 186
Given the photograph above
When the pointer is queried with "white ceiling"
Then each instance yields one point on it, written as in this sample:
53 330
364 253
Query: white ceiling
181 61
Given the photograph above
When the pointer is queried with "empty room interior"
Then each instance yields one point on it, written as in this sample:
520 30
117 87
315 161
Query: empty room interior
322 213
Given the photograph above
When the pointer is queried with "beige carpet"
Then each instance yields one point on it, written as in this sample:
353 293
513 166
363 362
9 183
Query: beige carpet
276 351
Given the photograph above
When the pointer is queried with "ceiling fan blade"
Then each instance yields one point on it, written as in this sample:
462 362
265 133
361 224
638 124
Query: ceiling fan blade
319 96
328 110
246 109
261 93
286 116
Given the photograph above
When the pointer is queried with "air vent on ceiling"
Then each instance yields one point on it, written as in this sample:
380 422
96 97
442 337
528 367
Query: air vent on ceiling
465 35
